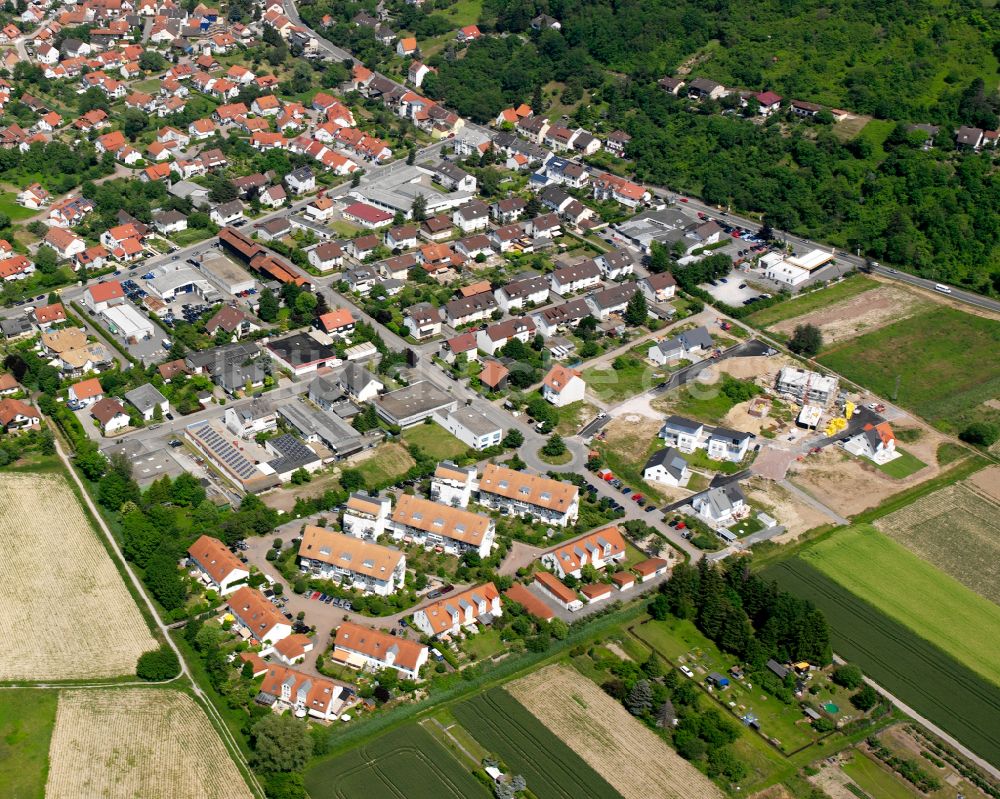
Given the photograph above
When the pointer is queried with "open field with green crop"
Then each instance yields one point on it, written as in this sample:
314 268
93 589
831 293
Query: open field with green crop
922 675
799 306
553 770
27 717
958 530
435 441
940 363
914 593
407 763
875 780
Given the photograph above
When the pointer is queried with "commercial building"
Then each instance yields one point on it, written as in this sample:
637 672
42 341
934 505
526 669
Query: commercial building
412 404
321 427
471 428
127 322
302 354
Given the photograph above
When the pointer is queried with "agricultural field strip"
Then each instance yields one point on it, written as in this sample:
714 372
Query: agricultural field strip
503 725
408 761
914 593
616 745
121 743
957 530
61 583
919 673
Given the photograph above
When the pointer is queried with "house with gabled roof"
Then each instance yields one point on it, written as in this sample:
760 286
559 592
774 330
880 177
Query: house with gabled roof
353 562
877 442
598 549
467 609
563 386
544 499
430 523
217 567
258 618
365 648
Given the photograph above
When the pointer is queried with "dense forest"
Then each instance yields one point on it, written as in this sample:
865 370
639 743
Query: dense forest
894 59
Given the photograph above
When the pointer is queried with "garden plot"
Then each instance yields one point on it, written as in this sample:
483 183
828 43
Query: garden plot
67 613
628 755
121 743
859 314
958 530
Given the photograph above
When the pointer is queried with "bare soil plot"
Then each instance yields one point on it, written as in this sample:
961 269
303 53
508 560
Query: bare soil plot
772 462
986 481
958 530
617 746
859 314
850 485
125 743
774 792
67 614
790 511
283 498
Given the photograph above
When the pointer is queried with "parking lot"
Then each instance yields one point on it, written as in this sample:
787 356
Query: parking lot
732 290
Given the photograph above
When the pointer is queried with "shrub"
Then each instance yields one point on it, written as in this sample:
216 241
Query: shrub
158 664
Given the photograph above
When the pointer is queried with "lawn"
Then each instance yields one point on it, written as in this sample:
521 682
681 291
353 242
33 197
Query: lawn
407 761
903 466
342 228
574 416
9 207
185 238
390 461
553 770
27 717
462 12
696 401
941 363
875 780
626 459
435 441
914 593
807 303
615 385
922 675
484 645
699 460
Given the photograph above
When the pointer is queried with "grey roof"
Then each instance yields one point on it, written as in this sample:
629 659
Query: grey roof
450 171
682 424
355 378
230 365
670 459
299 349
145 397
231 207
614 296
777 668
333 431
169 217
292 454
730 435
15 326
616 259
721 499
325 388
419 399
687 341
474 421
523 288
584 269
302 174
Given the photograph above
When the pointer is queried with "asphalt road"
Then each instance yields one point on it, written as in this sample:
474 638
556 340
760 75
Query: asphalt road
746 349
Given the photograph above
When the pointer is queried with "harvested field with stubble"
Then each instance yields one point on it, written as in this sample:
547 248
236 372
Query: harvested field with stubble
127 743
612 742
68 614
956 529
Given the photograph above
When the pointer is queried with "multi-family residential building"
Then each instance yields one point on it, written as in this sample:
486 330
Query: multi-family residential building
366 567
366 516
218 568
719 443
518 493
806 386
515 295
319 698
471 428
453 485
466 609
597 549
430 523
364 648
570 279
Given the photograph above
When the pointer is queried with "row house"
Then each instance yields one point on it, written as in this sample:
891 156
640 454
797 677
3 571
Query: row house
373 650
352 562
517 493
579 277
466 609
465 310
598 549
518 293
495 337
561 318
454 485
451 529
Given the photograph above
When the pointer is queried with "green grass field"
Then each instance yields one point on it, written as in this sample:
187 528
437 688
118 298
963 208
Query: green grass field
553 770
903 466
435 441
943 362
914 593
845 289
615 385
874 780
921 674
389 462
27 717
407 763
9 207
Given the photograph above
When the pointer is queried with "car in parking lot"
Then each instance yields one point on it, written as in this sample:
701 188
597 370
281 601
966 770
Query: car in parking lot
636 496
650 508
626 489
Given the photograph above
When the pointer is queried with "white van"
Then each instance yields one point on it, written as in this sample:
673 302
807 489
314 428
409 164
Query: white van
942 288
